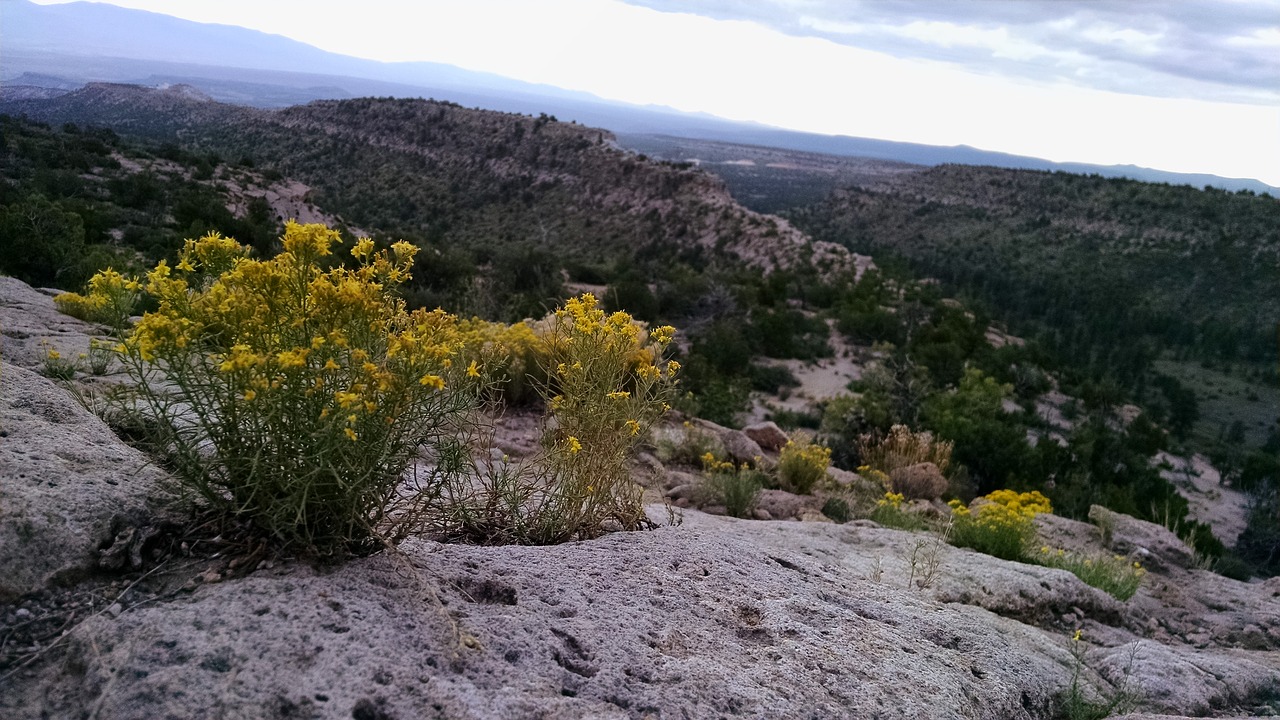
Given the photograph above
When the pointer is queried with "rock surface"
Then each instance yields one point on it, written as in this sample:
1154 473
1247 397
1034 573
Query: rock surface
767 435
68 487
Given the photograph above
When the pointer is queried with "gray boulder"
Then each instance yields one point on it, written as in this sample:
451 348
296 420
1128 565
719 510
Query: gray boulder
1154 545
69 490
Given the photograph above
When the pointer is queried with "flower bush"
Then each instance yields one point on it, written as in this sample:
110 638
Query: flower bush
110 299
605 383
295 396
999 523
303 396
802 466
890 513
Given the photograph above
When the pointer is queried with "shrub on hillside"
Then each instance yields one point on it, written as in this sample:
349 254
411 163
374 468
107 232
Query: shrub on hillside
292 395
736 487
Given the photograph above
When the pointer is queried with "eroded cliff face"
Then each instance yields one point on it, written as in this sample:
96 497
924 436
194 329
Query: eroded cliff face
109 614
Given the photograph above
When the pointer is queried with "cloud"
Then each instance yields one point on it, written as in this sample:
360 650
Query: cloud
1219 50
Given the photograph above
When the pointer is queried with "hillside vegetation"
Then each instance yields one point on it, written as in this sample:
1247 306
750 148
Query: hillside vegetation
1106 272
514 213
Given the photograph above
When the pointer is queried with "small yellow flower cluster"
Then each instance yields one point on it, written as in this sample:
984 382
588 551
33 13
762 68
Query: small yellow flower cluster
712 464
891 500
874 475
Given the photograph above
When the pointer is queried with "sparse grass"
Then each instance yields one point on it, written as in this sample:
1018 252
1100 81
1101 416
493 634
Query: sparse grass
1075 704
901 448
926 560
1113 574
100 356
734 486
690 449
889 512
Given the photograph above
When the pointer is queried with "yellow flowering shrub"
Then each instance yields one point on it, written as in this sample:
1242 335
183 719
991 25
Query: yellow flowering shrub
606 384
802 466
999 523
298 392
889 511
297 396
508 359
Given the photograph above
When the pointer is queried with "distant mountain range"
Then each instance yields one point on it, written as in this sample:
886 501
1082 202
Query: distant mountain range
61 47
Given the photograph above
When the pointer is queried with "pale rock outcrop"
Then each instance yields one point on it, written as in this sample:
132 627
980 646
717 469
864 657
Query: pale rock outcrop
1156 546
68 488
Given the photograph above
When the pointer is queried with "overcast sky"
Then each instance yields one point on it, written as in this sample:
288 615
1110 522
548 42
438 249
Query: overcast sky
1170 84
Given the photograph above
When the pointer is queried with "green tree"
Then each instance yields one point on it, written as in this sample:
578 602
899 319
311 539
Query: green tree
988 441
41 242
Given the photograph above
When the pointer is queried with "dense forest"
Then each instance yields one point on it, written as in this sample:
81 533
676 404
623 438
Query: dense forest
1108 273
517 212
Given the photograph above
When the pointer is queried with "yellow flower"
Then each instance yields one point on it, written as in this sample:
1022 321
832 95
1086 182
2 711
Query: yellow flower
351 434
633 427
432 381
292 358
249 395
362 249
404 252
473 370
53 354
1079 634
575 446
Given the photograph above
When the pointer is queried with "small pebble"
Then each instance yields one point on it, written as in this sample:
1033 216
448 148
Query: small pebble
115 609
23 613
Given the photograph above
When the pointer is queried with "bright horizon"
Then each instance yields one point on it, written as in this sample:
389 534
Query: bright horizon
1023 89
